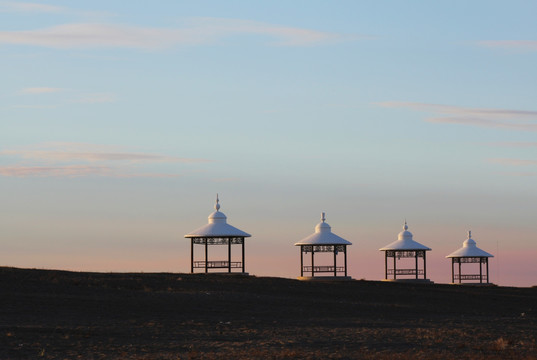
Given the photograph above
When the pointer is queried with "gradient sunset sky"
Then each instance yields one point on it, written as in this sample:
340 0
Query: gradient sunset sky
120 121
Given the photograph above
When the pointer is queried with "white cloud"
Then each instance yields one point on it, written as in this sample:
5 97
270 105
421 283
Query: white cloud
520 120
526 45
196 32
79 159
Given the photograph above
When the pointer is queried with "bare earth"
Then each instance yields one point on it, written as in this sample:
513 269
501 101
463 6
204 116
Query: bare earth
46 314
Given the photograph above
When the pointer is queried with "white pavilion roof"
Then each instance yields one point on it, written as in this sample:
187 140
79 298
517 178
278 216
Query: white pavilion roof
469 249
217 226
405 242
323 235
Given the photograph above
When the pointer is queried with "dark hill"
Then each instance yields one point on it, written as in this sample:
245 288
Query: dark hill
52 314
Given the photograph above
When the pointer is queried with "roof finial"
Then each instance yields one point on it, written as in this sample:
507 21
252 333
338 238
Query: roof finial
323 218
217 206
469 234
406 226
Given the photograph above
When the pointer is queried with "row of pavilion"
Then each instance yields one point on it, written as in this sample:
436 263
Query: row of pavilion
323 240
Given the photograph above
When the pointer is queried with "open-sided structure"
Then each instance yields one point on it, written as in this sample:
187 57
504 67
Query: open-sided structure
470 253
405 247
323 240
217 232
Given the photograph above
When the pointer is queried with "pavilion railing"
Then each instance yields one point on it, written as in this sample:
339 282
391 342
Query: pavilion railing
405 271
470 277
329 268
217 264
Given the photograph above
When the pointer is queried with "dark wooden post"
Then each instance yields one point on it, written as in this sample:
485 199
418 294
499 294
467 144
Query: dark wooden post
301 260
335 261
345 252
312 262
487 270
480 271
460 271
243 264
394 265
386 265
424 264
191 255
229 255
452 270
416 256
206 254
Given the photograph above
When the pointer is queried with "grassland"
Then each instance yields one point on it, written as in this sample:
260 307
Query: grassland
47 314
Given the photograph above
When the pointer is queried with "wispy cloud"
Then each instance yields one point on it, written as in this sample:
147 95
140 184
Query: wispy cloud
40 90
195 32
15 6
78 159
520 144
479 117
524 45
30 7
513 162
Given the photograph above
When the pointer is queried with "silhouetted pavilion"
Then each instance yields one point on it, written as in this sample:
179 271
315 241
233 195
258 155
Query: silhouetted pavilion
470 253
323 240
405 247
217 232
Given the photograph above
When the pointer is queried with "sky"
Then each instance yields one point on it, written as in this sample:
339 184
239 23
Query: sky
120 123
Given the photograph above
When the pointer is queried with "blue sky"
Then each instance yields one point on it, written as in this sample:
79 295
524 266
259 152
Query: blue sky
119 124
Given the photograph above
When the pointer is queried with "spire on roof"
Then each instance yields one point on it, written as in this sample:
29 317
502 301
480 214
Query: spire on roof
217 205
405 227
469 234
323 218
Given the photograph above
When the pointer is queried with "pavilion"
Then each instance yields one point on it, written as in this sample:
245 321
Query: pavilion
405 247
217 232
323 240
470 253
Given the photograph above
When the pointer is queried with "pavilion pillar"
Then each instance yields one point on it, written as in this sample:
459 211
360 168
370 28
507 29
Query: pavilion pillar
206 254
312 262
452 270
487 270
424 264
460 271
191 255
386 265
394 265
335 261
301 260
345 253
243 265
416 256
480 271
229 255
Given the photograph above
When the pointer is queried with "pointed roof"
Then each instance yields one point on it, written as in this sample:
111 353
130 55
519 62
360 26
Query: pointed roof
217 226
469 249
323 235
405 242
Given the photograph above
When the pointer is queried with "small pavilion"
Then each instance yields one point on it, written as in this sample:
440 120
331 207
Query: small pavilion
469 253
405 247
323 240
217 232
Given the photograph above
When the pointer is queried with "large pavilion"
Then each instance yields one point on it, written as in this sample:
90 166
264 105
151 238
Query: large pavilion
217 232
323 240
405 247
470 253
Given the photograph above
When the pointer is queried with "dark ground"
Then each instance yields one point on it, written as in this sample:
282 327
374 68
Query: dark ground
47 314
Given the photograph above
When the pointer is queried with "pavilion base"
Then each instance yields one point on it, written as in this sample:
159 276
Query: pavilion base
410 281
474 284
324 278
222 273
